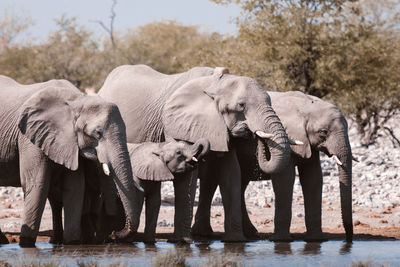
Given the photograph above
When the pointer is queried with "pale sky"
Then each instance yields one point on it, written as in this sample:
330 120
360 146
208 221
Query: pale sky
130 13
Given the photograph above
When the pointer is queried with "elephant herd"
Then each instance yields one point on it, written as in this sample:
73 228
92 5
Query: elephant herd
100 157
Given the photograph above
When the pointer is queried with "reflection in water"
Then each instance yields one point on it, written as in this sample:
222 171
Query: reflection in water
282 248
346 248
236 248
30 252
312 248
260 253
150 247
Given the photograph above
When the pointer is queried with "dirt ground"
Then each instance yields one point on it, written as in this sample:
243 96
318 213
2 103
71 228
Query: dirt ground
369 224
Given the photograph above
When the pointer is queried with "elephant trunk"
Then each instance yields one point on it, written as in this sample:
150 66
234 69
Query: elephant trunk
272 153
118 157
201 148
343 152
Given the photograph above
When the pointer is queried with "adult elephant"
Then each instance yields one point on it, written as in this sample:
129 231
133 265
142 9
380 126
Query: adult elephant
321 127
46 130
202 102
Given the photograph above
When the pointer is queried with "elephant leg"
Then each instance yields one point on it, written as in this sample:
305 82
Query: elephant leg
3 238
283 188
35 173
73 194
182 216
230 187
250 231
153 203
56 210
208 186
311 184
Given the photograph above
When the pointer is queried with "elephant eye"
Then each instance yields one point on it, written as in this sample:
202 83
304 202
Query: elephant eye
241 106
323 133
98 134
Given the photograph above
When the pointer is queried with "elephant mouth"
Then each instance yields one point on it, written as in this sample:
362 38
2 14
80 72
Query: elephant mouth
240 130
89 153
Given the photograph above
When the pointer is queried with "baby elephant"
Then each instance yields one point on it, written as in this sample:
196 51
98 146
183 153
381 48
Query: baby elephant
153 163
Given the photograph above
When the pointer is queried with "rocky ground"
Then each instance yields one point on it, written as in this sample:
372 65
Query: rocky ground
376 197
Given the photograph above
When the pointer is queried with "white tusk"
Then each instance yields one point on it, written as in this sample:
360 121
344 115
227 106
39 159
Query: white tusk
295 142
194 159
261 134
136 184
337 160
106 169
355 159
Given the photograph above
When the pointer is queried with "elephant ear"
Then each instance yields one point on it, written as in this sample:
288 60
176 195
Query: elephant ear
47 120
191 113
295 124
147 164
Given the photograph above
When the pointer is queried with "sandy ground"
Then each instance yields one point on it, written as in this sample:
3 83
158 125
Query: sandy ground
374 224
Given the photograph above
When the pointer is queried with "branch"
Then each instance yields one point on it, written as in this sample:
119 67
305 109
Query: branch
394 138
110 30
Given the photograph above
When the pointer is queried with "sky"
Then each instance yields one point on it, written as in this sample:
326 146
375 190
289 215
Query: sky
129 13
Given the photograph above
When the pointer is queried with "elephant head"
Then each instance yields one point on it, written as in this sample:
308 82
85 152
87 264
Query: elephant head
321 127
220 107
161 161
67 124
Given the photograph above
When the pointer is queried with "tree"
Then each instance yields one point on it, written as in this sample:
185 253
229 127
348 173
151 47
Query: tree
362 71
286 39
10 27
167 46
69 53
344 51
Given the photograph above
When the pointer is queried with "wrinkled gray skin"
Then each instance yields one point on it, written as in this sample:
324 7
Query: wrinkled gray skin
321 127
46 129
153 163
202 102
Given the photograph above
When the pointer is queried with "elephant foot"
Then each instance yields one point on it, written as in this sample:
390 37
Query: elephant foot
56 239
72 242
123 236
27 242
234 238
3 238
202 230
315 237
281 237
180 240
251 233
149 241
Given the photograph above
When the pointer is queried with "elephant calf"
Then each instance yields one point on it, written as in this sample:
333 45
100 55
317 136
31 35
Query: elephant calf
153 163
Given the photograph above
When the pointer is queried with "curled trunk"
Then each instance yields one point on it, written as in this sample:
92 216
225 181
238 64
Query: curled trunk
200 148
273 153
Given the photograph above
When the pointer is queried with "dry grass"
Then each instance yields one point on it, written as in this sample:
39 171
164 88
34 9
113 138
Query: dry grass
170 258
368 264
25 262
227 260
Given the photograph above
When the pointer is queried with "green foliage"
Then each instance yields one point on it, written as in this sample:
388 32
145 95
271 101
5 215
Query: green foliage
69 53
345 51
10 27
361 71
162 45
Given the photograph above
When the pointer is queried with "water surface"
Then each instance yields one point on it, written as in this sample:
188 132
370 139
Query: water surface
259 253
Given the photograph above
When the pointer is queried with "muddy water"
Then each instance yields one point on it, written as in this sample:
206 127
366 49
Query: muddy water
260 253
